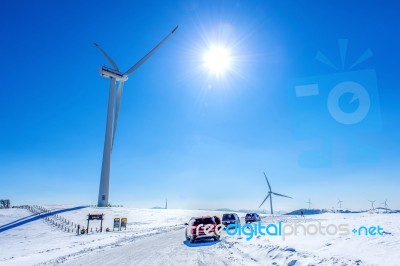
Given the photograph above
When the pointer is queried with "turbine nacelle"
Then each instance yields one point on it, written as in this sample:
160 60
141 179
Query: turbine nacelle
112 73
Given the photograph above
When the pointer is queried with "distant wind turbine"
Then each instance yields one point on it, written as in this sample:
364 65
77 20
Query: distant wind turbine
116 78
309 204
340 203
166 204
372 203
269 195
385 203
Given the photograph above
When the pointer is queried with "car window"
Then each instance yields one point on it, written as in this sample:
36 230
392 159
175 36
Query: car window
197 222
228 217
204 221
208 221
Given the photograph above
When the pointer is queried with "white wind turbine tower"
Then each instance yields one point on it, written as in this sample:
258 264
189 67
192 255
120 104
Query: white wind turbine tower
385 203
270 193
309 204
372 203
116 77
340 203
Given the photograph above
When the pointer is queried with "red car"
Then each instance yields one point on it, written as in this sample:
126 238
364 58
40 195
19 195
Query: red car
200 228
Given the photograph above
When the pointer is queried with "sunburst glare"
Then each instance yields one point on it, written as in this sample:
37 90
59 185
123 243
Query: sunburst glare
217 60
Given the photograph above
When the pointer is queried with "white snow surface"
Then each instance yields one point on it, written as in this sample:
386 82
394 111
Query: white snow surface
156 237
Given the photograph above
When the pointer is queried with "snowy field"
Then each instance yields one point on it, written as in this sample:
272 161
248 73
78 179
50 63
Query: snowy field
156 237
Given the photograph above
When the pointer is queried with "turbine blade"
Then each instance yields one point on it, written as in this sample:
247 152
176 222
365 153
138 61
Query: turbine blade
267 181
141 61
116 112
281 195
113 64
264 200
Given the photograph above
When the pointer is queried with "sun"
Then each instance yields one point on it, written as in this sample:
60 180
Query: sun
217 60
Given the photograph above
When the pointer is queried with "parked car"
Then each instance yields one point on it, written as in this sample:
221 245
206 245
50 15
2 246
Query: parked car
252 217
195 229
230 218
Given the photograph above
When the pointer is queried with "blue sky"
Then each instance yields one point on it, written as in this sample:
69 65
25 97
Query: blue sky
185 134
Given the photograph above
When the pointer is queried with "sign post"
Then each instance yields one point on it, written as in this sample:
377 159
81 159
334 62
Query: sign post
95 217
123 223
116 223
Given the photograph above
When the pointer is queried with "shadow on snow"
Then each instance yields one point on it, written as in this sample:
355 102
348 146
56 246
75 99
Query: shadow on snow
35 217
201 243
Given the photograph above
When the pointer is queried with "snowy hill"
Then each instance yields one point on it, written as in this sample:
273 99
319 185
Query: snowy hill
306 212
225 210
156 237
320 211
243 211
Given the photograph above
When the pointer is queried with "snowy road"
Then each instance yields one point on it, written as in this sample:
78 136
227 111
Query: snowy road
163 249
169 248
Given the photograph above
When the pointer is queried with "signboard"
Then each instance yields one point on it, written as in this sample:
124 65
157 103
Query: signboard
116 223
95 216
124 221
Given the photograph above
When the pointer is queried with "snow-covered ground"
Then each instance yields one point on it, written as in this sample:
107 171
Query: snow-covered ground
156 237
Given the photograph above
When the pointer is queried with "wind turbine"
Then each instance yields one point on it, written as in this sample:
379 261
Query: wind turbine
116 78
270 193
385 203
386 206
309 204
340 203
372 203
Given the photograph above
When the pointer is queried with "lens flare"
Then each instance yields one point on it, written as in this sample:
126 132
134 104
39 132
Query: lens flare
217 60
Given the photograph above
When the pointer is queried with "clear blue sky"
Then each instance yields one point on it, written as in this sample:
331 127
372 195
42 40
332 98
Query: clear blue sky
200 140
